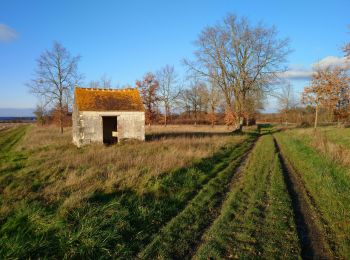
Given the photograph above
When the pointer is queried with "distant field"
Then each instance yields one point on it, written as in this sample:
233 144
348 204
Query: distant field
187 192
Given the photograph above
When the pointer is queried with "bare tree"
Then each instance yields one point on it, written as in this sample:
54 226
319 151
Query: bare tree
104 82
168 90
55 78
40 113
193 99
240 59
286 99
214 98
184 102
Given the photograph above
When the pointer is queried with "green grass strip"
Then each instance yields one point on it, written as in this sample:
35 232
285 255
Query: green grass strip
11 161
180 235
256 220
9 138
329 185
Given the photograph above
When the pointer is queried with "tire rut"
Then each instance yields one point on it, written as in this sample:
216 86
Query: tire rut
236 176
236 172
311 237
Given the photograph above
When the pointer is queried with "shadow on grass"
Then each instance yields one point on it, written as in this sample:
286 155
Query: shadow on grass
108 225
267 129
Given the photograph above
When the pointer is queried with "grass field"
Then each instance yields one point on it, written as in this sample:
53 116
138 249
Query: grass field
188 192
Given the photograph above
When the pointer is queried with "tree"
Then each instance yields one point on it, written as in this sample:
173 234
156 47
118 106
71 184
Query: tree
286 99
240 59
148 89
329 89
196 97
194 100
104 82
254 102
214 98
40 114
56 116
168 90
55 78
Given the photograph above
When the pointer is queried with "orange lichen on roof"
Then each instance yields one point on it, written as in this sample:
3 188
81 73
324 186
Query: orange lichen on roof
94 99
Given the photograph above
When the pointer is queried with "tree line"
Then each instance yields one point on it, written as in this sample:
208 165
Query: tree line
236 65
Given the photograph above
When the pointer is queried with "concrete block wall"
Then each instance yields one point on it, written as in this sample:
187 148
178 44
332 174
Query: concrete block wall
88 126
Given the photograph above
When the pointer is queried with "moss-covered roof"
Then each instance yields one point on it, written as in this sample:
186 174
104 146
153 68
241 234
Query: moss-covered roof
95 99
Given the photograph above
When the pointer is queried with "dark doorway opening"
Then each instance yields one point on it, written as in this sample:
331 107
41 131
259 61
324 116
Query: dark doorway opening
109 126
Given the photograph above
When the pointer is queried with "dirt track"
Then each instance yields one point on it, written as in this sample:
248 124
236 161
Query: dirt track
307 218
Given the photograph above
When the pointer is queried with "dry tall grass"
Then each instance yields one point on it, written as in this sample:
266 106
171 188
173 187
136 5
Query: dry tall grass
336 151
320 141
187 128
67 175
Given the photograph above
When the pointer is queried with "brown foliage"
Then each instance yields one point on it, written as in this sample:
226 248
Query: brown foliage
148 90
230 117
56 116
329 89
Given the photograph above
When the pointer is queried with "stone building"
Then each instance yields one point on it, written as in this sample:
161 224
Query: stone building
107 115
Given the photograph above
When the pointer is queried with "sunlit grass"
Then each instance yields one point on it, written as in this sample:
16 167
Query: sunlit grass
256 220
98 200
327 181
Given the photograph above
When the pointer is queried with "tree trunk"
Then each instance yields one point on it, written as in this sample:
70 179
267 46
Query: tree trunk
239 125
165 115
61 117
286 115
195 117
212 116
316 117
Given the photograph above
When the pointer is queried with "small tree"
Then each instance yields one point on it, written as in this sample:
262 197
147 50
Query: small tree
56 117
40 114
329 89
168 90
286 99
104 82
55 78
148 89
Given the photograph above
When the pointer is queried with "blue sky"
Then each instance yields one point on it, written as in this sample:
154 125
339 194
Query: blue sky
125 39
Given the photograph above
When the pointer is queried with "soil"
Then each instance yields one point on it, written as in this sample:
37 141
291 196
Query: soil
312 237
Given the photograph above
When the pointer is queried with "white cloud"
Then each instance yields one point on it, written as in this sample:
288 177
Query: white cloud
331 61
300 73
7 34
297 74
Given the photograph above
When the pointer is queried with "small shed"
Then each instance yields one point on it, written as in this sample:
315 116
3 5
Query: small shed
107 115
